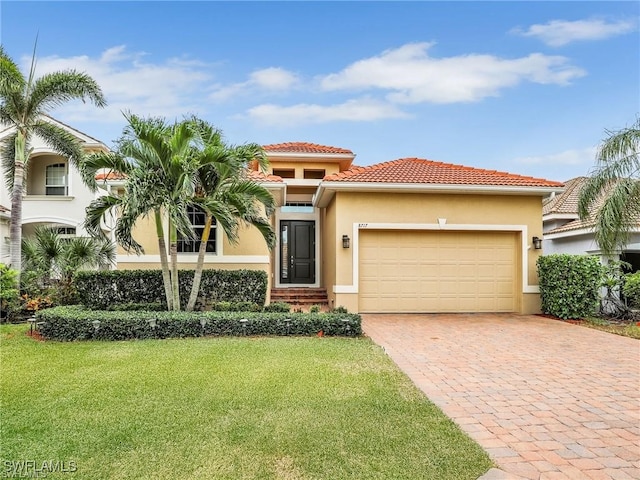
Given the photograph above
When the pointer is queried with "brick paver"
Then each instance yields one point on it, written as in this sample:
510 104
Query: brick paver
545 398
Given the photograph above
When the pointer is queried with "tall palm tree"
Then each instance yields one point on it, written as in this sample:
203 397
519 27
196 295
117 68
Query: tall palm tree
155 159
23 102
227 195
169 168
613 189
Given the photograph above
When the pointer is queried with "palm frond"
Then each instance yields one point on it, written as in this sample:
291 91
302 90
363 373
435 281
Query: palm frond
96 211
57 88
8 152
11 78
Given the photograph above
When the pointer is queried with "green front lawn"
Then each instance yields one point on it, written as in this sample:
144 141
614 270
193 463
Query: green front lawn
223 408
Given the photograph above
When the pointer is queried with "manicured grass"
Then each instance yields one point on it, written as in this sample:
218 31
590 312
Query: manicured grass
629 329
223 408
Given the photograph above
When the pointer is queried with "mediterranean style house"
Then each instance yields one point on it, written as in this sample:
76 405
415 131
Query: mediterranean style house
564 232
54 193
409 235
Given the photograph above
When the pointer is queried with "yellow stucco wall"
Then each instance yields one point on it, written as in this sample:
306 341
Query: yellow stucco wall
300 166
362 207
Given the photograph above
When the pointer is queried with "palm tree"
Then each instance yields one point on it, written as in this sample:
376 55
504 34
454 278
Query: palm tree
23 102
54 259
169 168
613 189
227 195
154 157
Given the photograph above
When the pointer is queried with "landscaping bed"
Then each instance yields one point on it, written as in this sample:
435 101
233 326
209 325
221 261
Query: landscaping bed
79 323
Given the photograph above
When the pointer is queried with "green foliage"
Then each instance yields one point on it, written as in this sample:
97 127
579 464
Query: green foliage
78 323
314 309
339 309
99 290
136 307
631 289
282 307
569 285
9 293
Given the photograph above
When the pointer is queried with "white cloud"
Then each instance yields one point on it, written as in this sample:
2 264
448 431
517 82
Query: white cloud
574 157
271 79
172 87
356 110
412 76
557 33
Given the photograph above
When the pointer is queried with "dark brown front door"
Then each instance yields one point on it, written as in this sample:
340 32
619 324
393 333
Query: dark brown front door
297 252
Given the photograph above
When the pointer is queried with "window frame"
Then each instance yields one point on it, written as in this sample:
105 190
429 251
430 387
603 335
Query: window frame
197 217
65 180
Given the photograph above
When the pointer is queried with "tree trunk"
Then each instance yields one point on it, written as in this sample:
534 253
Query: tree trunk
16 204
197 276
164 261
173 249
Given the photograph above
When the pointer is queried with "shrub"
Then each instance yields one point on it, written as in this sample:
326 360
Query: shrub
134 307
631 289
100 289
569 285
281 307
9 293
77 323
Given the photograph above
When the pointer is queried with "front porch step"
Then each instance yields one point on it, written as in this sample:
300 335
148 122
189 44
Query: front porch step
300 296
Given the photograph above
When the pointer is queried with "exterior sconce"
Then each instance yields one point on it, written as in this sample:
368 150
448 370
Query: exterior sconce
537 243
345 241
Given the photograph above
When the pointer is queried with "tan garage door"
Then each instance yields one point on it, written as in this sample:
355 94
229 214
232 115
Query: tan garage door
427 271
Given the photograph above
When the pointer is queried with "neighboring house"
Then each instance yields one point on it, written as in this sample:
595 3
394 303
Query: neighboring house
54 193
410 235
564 232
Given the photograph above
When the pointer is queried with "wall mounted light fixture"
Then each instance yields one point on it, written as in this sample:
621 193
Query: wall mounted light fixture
537 243
345 241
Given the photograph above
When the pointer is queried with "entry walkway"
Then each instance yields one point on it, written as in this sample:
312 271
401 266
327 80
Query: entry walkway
546 399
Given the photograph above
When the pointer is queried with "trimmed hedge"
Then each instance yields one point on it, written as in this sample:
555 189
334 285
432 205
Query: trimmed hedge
77 323
569 285
100 290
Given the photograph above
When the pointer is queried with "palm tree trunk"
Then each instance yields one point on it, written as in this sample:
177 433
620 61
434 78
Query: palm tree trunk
197 276
16 204
164 261
173 249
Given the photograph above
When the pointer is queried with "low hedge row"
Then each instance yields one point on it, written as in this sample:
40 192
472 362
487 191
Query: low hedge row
100 289
69 323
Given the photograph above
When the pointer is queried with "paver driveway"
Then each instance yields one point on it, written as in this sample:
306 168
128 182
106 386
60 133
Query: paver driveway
546 399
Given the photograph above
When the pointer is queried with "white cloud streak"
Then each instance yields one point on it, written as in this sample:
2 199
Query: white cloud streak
272 80
355 110
411 76
170 88
574 157
557 33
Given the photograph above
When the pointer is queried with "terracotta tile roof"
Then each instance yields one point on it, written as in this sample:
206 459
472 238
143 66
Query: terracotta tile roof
567 201
110 176
4 209
304 147
418 170
573 225
257 176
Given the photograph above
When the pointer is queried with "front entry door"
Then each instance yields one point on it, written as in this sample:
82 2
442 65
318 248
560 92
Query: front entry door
297 251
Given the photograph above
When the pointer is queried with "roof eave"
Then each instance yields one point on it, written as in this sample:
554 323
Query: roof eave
328 188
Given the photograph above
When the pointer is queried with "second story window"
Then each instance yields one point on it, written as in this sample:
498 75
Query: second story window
56 180
198 220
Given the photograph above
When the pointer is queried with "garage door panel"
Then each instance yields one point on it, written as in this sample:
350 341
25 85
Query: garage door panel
418 271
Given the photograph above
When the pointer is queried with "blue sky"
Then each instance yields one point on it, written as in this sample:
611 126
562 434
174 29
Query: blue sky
524 87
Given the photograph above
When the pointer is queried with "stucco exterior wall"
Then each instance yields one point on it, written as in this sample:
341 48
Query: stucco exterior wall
300 165
484 211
